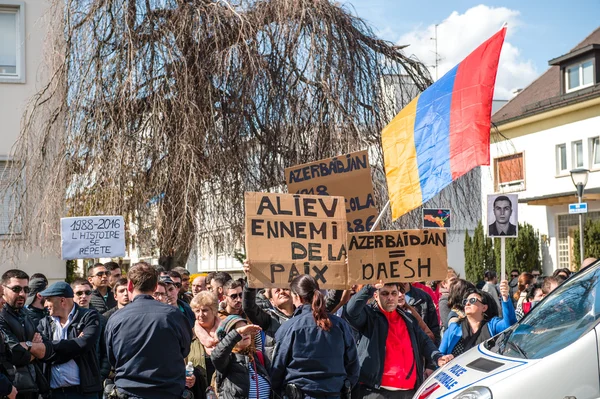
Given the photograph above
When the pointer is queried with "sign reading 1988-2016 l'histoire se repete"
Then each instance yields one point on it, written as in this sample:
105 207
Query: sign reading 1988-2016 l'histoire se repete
92 237
397 256
346 175
289 234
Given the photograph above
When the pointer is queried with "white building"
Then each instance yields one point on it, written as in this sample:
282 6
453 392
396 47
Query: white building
22 35
549 128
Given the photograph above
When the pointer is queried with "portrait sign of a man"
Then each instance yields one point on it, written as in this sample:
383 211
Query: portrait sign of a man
502 215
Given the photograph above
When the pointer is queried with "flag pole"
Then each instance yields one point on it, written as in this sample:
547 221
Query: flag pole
387 205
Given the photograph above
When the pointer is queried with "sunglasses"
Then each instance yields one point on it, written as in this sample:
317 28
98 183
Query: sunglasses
471 301
178 285
17 289
159 295
514 275
235 296
80 293
100 274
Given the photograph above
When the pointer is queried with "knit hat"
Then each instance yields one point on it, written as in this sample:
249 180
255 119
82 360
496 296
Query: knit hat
228 324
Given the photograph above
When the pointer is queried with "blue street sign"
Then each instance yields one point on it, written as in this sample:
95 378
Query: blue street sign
578 208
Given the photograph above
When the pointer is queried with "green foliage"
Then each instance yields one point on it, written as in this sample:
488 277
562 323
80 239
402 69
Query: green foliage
479 255
591 242
239 256
522 253
71 266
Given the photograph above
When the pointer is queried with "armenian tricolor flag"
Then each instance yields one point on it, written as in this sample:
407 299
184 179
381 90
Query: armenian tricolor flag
444 132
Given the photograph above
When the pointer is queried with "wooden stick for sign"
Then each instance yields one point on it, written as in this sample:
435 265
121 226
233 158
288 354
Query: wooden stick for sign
378 220
502 259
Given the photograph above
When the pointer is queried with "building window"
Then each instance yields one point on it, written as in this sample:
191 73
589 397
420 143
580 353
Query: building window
561 159
579 76
577 148
509 173
595 152
12 41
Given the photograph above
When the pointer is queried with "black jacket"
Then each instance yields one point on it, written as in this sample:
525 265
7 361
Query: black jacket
233 379
147 342
83 333
373 328
102 306
18 327
423 303
5 384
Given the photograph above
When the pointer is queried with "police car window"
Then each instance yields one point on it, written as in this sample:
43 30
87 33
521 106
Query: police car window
566 314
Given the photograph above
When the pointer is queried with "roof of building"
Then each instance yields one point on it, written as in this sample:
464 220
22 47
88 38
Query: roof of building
544 93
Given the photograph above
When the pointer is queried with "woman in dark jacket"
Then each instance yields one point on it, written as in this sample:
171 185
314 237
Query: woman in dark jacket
315 352
241 370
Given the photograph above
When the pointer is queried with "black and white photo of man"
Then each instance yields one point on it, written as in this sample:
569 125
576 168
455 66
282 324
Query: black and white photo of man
501 214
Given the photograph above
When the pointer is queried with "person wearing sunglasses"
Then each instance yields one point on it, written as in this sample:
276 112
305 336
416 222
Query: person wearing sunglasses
83 292
232 291
102 297
20 333
480 322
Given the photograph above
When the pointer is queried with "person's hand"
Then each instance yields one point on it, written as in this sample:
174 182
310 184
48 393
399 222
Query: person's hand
427 373
37 338
190 381
246 267
444 359
379 285
504 290
13 393
248 329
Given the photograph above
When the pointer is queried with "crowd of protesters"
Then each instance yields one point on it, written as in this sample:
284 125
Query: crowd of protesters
157 335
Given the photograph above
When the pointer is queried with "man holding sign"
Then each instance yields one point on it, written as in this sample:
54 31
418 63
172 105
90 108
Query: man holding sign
392 338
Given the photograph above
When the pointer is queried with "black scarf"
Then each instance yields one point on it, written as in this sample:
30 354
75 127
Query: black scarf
470 338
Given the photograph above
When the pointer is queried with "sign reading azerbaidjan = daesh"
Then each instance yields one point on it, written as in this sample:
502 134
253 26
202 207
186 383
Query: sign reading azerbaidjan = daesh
397 256
290 234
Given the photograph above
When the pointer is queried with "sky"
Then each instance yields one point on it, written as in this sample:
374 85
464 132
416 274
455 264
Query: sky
538 30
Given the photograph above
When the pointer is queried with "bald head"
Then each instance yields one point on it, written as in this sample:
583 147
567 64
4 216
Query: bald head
587 262
198 285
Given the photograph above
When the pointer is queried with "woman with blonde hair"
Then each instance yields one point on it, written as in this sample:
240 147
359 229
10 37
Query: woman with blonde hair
205 306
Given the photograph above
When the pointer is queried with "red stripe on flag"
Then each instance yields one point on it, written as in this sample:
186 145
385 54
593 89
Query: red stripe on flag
471 107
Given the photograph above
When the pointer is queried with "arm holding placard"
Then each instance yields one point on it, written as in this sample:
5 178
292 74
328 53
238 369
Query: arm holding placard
254 312
355 311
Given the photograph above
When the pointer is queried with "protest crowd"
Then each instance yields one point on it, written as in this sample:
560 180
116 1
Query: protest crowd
157 335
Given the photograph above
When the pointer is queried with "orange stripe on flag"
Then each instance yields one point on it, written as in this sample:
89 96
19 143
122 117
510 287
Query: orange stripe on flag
400 156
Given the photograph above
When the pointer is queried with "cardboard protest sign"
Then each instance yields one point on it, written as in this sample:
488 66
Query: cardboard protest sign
288 235
397 256
346 175
92 237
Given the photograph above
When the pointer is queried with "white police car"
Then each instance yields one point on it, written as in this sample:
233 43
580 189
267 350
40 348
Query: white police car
553 352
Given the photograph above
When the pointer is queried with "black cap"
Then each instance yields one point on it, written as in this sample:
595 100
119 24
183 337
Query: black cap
36 285
166 280
58 289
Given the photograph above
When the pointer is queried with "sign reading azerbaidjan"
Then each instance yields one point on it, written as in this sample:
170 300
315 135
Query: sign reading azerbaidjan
397 256
289 234
346 175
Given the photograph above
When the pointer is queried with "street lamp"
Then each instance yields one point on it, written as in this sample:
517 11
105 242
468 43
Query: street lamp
580 178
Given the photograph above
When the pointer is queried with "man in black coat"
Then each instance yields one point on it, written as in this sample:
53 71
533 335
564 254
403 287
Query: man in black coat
73 369
391 346
20 335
